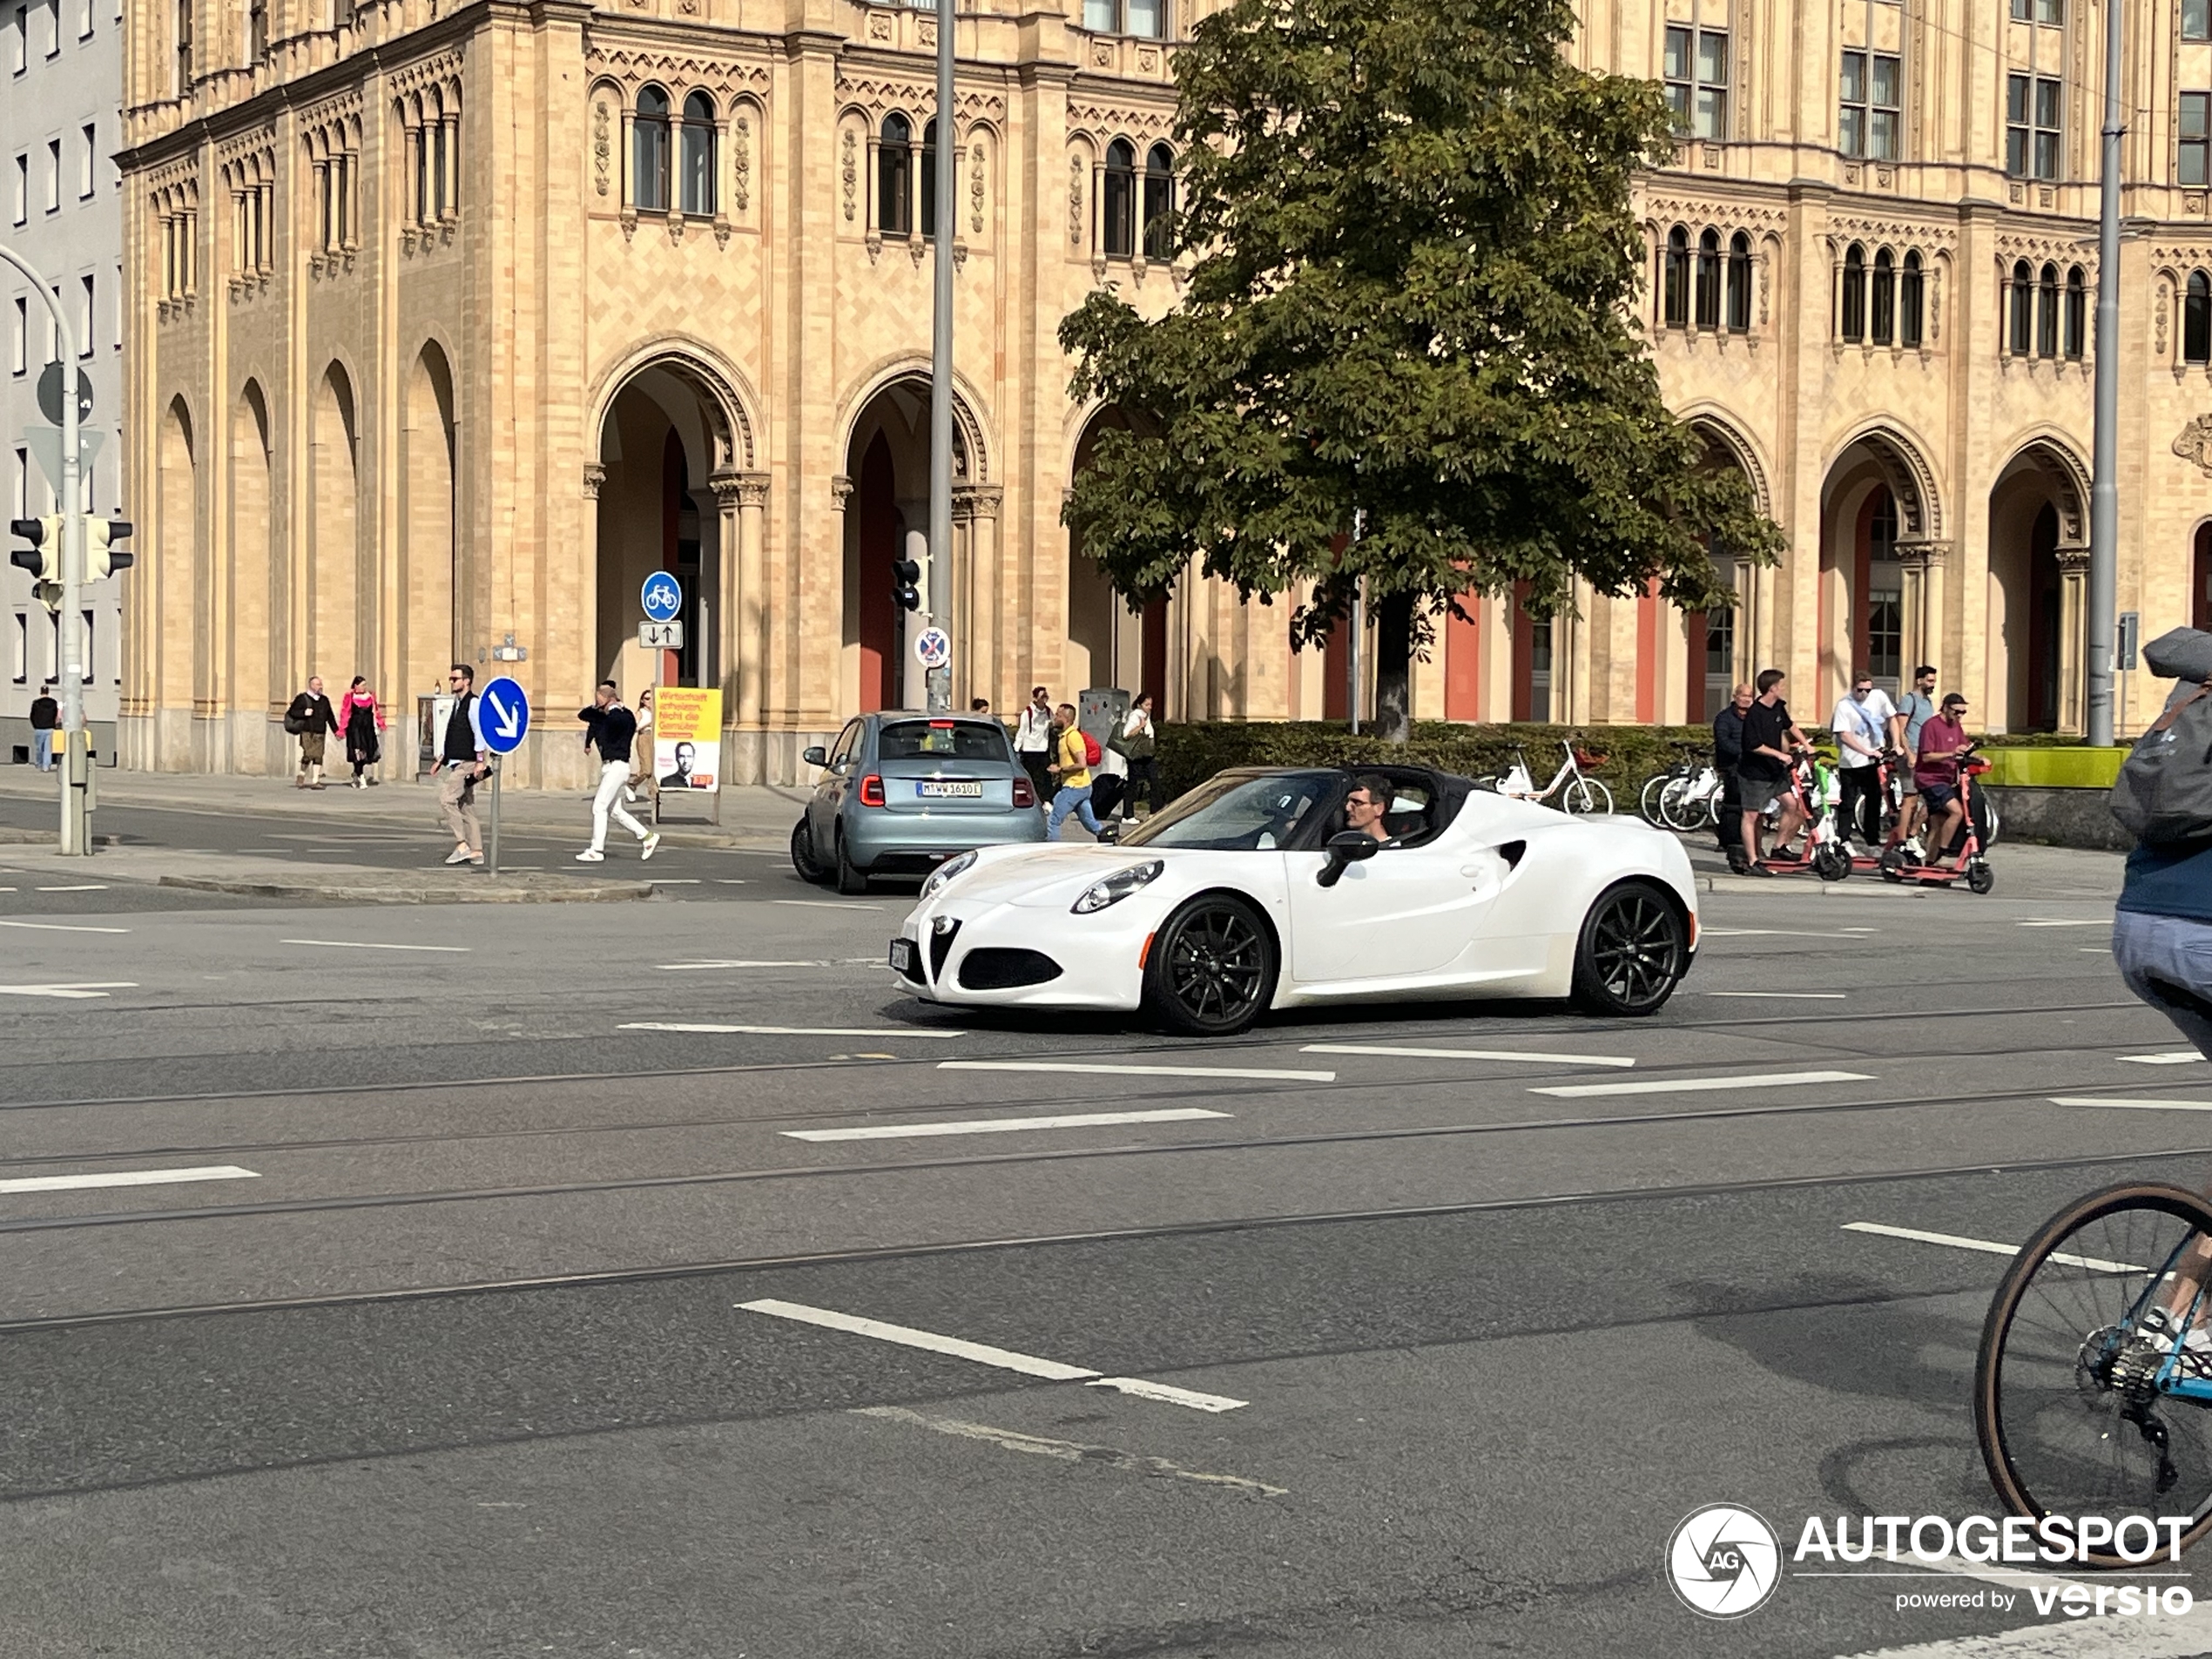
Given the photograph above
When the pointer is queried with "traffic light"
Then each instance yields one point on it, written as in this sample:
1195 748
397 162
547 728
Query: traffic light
42 558
102 558
906 576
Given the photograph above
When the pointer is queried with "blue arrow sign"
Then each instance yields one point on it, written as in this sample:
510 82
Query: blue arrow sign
505 716
663 597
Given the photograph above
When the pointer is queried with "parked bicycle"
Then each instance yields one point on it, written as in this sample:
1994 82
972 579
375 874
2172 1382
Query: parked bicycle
1648 797
1569 789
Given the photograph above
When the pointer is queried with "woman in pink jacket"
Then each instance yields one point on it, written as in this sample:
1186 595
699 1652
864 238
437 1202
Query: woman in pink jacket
360 717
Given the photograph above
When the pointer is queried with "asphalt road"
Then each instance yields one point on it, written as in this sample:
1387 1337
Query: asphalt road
1313 1350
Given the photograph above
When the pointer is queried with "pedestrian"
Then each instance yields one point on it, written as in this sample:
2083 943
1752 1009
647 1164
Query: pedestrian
1769 738
1862 723
1913 710
1034 737
310 718
642 785
612 730
464 762
1110 774
1140 743
1728 755
1935 772
1071 769
45 715
2162 927
360 717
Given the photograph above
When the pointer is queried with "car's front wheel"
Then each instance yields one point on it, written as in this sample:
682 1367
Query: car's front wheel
1634 951
1211 968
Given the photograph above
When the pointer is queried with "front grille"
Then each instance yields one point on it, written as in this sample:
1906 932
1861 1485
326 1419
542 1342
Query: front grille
941 945
994 968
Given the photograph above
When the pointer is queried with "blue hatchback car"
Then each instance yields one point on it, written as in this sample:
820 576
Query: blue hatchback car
901 793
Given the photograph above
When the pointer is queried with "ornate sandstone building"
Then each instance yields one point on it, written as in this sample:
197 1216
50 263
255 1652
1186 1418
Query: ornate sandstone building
450 323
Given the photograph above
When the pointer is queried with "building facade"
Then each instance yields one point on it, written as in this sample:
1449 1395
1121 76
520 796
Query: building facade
61 121
453 324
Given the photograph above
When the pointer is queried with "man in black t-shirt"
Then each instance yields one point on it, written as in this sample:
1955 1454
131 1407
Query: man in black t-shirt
1764 773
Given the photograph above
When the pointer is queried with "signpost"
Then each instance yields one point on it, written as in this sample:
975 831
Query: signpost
934 648
505 721
661 598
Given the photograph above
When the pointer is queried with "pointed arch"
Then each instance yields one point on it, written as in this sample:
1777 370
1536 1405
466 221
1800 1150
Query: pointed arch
430 635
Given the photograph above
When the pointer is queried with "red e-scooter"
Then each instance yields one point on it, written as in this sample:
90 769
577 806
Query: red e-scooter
1965 857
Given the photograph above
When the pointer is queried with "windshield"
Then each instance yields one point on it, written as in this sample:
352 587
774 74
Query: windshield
1234 813
948 740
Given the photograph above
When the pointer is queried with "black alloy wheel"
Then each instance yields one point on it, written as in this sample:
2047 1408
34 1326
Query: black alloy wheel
1212 969
1634 951
802 854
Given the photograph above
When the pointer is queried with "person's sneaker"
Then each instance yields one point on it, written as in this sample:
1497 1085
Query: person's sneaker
460 855
476 858
591 855
650 845
1760 869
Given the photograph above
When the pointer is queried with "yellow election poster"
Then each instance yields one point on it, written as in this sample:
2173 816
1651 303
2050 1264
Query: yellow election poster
687 738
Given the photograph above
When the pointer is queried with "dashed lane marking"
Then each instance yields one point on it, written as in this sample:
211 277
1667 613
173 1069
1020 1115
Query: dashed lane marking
1984 1246
370 944
127 1179
77 887
2171 1057
79 990
2131 1105
1260 1072
2057 921
1700 1085
786 1030
688 967
1788 997
1468 1053
1066 1451
64 928
830 904
984 1354
999 1125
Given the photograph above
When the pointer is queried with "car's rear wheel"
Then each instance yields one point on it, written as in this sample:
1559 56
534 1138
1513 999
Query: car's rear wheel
1634 951
1210 971
802 854
850 879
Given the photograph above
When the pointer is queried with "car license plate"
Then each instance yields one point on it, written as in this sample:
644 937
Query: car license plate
944 789
902 954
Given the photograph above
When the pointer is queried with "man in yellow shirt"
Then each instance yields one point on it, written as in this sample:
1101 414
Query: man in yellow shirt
1071 766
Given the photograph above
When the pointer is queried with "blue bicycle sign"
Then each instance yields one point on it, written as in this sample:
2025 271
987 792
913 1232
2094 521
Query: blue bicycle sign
661 597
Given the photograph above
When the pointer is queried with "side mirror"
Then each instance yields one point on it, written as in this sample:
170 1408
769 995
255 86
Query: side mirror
1345 847
816 756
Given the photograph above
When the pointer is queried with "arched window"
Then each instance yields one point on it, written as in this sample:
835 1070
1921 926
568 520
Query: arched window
894 178
1910 303
699 155
2020 325
649 170
1159 203
1884 329
2196 320
1118 204
929 181
1674 280
2046 314
1708 279
1739 284
1854 306
2077 313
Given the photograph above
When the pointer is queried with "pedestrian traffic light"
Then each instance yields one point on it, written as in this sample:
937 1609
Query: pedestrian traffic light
906 584
102 558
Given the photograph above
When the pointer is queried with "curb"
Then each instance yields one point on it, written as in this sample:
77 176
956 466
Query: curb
596 893
12 836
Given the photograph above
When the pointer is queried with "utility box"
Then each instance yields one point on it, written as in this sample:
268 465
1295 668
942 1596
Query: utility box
1101 712
432 710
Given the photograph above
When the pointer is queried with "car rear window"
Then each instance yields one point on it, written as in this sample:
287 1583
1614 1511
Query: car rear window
943 739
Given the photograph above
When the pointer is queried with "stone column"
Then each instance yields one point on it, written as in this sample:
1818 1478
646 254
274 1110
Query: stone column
1921 599
742 499
977 659
2073 660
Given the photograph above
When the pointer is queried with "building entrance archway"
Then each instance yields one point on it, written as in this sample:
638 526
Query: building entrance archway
1108 644
1876 595
2038 561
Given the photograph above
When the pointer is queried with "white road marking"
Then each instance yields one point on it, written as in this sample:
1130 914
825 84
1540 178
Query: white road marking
787 1030
687 968
2131 1105
1698 1085
127 1179
1466 1053
984 1354
62 928
2054 922
1066 1451
365 944
728 881
1088 1068
1780 933
1788 997
830 904
1986 1246
2171 1057
998 1125
78 991
80 887
675 881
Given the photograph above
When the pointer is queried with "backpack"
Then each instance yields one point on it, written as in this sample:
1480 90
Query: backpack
2164 789
1092 753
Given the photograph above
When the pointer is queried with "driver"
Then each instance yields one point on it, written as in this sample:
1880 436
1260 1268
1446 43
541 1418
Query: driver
1365 807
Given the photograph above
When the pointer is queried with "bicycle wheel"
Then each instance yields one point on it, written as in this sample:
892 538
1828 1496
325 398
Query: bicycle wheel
2077 1413
1655 787
1586 795
1675 810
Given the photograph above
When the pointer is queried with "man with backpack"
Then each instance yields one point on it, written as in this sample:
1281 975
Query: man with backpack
1075 752
2162 930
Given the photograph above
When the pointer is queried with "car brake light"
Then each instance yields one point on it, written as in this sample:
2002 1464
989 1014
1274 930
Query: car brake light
872 790
1023 794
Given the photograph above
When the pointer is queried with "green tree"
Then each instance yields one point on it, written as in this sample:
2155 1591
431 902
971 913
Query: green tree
1410 316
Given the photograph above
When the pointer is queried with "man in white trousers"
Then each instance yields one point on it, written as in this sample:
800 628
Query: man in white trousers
612 729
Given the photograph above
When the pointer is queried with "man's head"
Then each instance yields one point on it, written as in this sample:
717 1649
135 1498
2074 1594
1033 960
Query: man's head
1039 695
1954 706
685 751
1770 682
314 683
1065 716
604 694
1742 697
1923 679
461 677
1861 686
1365 807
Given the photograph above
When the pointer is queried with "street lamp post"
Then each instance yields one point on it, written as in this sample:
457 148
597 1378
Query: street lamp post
939 597
74 754
2104 485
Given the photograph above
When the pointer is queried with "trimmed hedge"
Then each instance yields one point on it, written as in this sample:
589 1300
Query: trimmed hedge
1191 753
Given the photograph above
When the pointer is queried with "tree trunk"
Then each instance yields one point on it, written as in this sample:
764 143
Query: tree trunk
1393 667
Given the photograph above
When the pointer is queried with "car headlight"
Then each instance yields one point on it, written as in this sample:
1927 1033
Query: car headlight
946 873
1117 887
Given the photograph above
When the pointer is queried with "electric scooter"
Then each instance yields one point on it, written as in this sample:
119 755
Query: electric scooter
1966 857
1824 853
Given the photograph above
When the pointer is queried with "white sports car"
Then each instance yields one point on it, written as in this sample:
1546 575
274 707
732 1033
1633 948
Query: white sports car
1250 893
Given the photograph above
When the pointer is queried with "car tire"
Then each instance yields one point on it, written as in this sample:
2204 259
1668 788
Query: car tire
802 855
1634 950
1210 968
850 880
